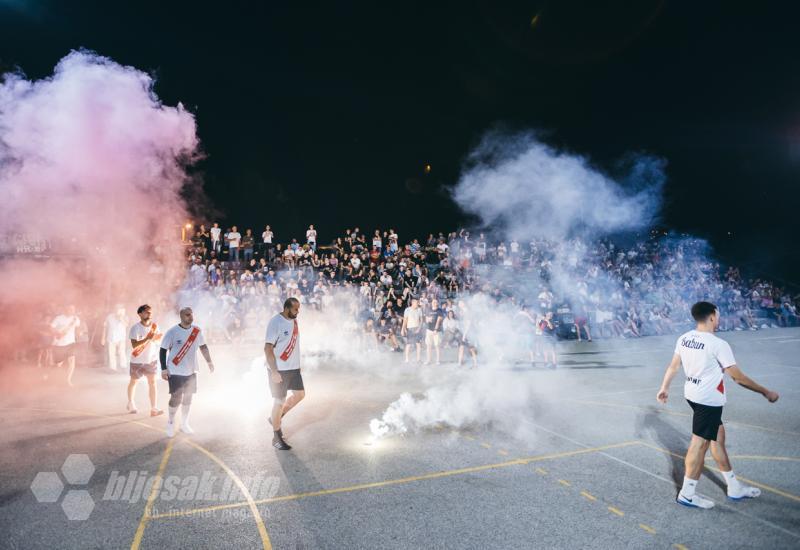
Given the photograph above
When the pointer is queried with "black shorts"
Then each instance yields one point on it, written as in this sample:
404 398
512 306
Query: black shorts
706 420
182 384
62 353
290 380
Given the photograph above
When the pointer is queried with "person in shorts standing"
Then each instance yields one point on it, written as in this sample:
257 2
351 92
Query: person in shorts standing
144 336
63 328
413 328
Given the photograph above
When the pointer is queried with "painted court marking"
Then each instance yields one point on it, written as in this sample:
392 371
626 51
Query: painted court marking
262 531
387 483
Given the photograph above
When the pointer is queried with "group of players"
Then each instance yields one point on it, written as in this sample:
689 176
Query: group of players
176 351
705 359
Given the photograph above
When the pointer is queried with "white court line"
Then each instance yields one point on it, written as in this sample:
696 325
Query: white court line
790 340
653 474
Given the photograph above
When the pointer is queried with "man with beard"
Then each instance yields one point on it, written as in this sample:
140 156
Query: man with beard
283 336
181 342
144 336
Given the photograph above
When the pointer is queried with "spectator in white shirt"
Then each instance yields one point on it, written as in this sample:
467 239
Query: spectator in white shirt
234 237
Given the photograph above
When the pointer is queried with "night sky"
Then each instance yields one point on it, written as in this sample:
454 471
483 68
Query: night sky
328 114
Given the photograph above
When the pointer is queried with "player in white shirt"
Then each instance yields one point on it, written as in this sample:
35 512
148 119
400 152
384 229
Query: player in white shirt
705 359
63 328
181 343
113 338
234 238
413 328
282 351
144 336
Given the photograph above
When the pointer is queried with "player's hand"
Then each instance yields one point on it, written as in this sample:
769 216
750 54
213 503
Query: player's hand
662 396
275 377
165 374
771 396
210 367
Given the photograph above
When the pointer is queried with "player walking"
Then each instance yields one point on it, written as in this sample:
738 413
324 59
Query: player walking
705 359
283 337
181 343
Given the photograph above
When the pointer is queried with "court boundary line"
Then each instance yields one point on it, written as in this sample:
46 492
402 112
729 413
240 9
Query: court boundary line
249 501
399 481
137 538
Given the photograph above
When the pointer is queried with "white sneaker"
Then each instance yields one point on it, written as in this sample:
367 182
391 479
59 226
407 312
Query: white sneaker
695 502
186 428
132 408
743 491
170 429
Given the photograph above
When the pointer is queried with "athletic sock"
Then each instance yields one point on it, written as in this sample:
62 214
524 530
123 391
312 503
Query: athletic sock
688 487
172 412
185 413
729 477
732 482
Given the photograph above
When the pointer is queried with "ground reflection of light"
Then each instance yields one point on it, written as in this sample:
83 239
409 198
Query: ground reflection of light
244 394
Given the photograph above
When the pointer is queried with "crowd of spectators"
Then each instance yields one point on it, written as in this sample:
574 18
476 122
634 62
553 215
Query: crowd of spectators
569 288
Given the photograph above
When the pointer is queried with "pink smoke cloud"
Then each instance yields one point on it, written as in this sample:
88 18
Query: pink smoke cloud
94 163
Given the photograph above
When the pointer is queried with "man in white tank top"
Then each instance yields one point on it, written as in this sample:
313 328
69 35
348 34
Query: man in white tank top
706 359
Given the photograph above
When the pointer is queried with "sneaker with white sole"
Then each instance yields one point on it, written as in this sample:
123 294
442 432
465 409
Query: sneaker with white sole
696 501
743 491
170 429
186 428
132 408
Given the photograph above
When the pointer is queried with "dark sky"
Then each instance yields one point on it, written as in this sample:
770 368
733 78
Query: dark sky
328 114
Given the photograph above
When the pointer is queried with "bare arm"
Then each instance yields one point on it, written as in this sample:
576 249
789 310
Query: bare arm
746 382
672 370
272 365
207 357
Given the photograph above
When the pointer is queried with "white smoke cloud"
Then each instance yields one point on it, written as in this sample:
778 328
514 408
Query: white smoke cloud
520 188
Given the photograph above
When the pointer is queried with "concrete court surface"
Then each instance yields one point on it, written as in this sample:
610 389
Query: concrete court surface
598 467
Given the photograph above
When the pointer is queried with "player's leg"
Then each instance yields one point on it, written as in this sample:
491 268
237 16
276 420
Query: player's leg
70 368
186 405
292 401
152 391
736 489
134 379
693 463
437 343
175 400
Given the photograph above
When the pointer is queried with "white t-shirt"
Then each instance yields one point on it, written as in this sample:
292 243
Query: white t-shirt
66 323
284 336
705 358
215 233
149 351
267 236
413 316
233 239
311 235
173 342
115 329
